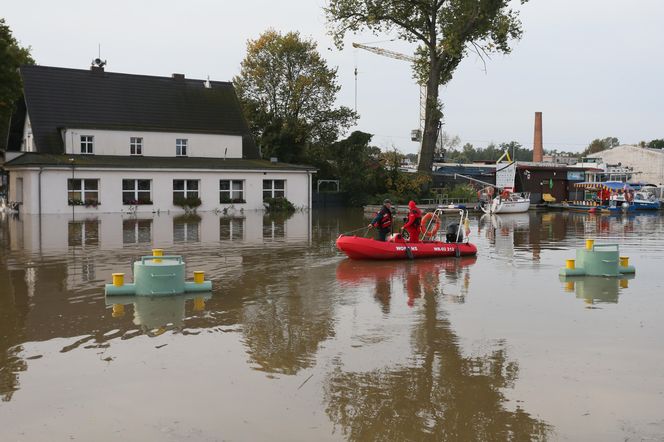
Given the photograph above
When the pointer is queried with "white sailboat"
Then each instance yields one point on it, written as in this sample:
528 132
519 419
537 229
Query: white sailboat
507 203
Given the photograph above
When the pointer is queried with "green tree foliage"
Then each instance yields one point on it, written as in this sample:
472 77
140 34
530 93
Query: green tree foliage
598 145
443 29
12 55
656 144
287 92
470 154
358 166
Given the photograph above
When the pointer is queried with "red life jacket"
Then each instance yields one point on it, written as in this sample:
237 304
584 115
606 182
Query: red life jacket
386 220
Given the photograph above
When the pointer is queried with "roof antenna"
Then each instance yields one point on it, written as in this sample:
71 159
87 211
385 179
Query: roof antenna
207 83
98 62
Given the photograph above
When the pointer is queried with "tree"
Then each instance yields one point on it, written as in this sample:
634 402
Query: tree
12 56
358 166
287 92
656 144
444 31
598 145
446 143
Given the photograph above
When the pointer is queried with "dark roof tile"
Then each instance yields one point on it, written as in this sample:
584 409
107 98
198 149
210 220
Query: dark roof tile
59 98
32 159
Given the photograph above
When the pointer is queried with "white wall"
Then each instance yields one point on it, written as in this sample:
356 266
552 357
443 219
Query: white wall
650 163
155 144
55 196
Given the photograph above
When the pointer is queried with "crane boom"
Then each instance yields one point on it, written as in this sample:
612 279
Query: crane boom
385 52
423 90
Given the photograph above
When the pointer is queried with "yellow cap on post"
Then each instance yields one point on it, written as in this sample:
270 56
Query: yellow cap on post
157 252
589 244
199 277
569 264
118 279
624 261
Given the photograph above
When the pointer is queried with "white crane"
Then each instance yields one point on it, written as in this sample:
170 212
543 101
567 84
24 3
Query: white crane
415 135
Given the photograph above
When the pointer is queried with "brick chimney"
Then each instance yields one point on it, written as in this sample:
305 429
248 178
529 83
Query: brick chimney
538 149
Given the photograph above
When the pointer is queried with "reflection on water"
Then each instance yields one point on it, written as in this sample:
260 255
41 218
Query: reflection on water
596 289
452 349
156 314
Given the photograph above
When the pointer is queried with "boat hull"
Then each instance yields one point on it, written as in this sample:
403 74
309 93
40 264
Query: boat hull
356 247
507 206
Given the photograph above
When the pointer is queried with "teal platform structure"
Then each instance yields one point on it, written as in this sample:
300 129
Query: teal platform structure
598 260
158 275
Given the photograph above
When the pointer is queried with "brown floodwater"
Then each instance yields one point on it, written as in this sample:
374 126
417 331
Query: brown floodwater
296 342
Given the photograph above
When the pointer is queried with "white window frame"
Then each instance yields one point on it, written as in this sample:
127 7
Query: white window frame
83 191
136 146
181 145
272 189
87 144
186 192
135 191
231 193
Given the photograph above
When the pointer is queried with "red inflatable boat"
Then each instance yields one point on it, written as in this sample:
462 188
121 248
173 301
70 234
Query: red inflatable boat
357 247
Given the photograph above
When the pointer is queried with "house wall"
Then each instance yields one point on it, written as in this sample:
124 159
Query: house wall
159 144
54 197
647 161
537 182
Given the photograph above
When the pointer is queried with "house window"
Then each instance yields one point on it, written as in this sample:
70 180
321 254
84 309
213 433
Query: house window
87 144
136 145
231 229
181 147
231 191
136 192
183 189
274 188
83 192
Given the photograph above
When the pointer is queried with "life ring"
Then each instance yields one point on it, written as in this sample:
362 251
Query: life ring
427 220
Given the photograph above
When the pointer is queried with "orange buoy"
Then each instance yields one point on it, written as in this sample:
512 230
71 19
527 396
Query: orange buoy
427 220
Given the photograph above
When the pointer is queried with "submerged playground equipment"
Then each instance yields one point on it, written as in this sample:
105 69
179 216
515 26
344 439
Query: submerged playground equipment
598 260
158 275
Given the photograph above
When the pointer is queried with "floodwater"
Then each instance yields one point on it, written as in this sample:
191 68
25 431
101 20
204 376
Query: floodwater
298 343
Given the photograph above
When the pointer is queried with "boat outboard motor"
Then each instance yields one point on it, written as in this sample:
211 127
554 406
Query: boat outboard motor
452 231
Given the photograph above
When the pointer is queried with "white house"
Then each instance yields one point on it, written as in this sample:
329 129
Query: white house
647 164
90 141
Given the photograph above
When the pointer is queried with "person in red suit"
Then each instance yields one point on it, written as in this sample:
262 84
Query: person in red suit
413 223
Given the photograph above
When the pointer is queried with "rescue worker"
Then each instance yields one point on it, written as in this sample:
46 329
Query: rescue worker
413 223
383 220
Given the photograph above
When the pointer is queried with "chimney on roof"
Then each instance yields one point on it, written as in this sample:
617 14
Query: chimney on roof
97 65
538 148
179 77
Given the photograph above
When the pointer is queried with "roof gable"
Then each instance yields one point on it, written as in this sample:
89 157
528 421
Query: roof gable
58 98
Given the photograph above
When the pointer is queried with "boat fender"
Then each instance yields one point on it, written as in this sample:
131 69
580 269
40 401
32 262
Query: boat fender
457 252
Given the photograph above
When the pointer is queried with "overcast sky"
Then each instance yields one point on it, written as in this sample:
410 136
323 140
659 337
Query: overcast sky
595 68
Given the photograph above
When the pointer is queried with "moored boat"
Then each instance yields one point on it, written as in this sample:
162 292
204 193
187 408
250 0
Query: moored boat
507 202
